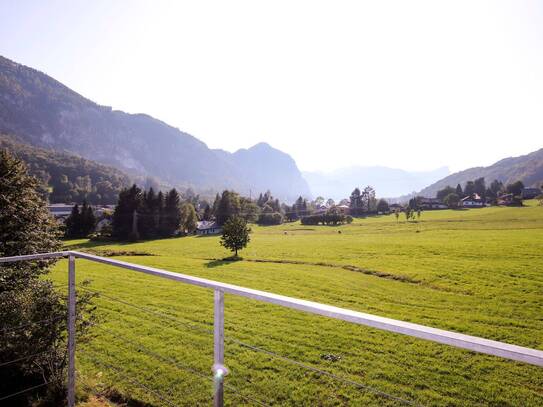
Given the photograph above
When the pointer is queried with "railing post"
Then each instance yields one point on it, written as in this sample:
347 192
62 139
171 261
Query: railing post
71 331
219 371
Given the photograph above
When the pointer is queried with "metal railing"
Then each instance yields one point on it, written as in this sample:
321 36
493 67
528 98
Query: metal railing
471 343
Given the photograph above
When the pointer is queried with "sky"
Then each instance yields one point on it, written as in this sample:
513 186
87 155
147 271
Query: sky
406 84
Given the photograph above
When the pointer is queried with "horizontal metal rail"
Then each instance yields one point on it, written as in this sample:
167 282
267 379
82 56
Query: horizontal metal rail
471 343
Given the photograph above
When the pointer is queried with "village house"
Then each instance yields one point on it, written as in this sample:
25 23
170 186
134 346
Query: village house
431 203
506 199
103 224
472 201
208 227
60 210
344 209
530 193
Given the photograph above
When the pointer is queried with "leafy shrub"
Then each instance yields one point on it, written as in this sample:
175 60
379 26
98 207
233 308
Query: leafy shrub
274 218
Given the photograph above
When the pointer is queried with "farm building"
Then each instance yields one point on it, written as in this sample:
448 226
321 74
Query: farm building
60 210
344 209
472 201
530 193
208 227
431 203
506 199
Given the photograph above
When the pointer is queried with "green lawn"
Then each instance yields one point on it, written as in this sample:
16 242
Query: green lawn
478 272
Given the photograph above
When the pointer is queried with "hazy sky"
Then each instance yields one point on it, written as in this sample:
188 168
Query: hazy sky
408 84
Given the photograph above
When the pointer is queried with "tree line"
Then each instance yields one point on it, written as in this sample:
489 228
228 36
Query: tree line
141 214
451 196
60 176
146 214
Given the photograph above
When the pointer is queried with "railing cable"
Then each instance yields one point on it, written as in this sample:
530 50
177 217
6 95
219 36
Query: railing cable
324 372
136 382
265 351
24 391
153 354
177 364
149 311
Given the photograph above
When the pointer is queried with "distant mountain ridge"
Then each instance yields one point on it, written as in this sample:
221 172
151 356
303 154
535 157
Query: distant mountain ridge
526 168
45 113
388 182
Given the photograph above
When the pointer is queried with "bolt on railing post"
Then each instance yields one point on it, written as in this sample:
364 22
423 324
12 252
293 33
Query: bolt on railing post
219 370
71 331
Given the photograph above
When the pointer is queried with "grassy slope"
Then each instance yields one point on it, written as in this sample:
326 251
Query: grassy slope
478 272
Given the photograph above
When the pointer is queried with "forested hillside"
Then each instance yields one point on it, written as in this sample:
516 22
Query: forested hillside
45 113
67 177
526 168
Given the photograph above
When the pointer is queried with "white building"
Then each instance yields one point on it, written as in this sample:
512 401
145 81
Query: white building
208 227
472 201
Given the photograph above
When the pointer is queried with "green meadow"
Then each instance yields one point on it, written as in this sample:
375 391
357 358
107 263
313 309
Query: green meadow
477 271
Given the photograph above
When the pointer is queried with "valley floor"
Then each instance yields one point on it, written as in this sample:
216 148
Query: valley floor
478 272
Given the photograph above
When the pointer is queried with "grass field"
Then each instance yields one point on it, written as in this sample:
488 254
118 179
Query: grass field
478 272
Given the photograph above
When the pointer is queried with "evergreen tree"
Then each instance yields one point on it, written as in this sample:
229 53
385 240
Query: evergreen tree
300 207
459 190
496 187
130 202
88 220
355 203
479 186
229 206
216 203
469 189
207 213
26 297
149 216
80 223
413 205
160 214
515 188
172 213
73 223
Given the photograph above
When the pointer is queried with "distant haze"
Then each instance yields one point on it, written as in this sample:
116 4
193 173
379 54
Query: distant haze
403 84
388 182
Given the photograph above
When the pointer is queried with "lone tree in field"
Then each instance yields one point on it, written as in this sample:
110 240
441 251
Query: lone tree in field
235 234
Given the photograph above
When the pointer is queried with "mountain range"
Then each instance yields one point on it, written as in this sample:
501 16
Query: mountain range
526 168
43 112
388 182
